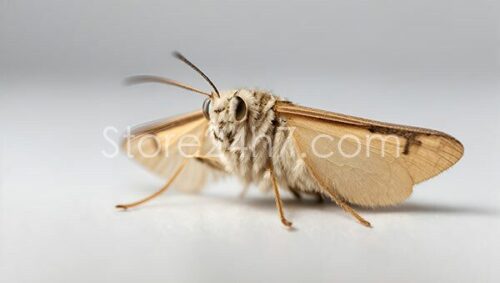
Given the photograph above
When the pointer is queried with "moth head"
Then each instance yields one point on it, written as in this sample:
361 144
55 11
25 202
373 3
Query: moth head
230 106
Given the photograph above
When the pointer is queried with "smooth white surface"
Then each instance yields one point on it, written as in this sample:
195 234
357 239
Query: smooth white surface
58 190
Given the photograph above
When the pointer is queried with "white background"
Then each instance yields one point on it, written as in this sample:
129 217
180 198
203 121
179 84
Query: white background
426 63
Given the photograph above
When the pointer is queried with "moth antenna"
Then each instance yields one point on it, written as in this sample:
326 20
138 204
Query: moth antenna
155 79
183 59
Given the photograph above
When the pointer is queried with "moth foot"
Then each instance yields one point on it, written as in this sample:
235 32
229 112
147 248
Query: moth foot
365 223
121 206
287 223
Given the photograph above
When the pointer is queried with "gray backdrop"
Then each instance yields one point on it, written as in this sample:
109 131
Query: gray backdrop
427 63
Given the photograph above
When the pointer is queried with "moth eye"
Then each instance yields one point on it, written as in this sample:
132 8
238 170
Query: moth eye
206 108
241 109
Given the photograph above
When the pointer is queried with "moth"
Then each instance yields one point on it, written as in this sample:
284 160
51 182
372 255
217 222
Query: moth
266 140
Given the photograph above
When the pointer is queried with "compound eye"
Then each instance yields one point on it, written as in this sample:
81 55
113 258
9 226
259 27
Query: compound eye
206 108
241 109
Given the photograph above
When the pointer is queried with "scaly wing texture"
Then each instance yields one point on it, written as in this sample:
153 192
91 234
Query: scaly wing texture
161 146
372 163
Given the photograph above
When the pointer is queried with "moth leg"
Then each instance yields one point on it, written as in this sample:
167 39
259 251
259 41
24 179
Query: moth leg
338 200
159 192
277 198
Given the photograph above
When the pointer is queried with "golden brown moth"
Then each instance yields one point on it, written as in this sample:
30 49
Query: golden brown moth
266 140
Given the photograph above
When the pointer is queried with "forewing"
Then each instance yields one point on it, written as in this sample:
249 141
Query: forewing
161 146
372 163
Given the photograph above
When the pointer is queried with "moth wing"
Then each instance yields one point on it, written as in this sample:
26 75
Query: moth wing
162 145
373 163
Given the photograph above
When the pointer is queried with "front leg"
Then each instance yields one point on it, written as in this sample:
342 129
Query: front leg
159 192
277 198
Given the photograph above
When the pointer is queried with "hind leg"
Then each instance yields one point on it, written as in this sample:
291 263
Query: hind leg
340 202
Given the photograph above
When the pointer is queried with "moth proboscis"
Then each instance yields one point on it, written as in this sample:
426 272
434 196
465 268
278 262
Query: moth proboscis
265 140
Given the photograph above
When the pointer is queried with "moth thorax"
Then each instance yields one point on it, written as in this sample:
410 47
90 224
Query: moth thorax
246 145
